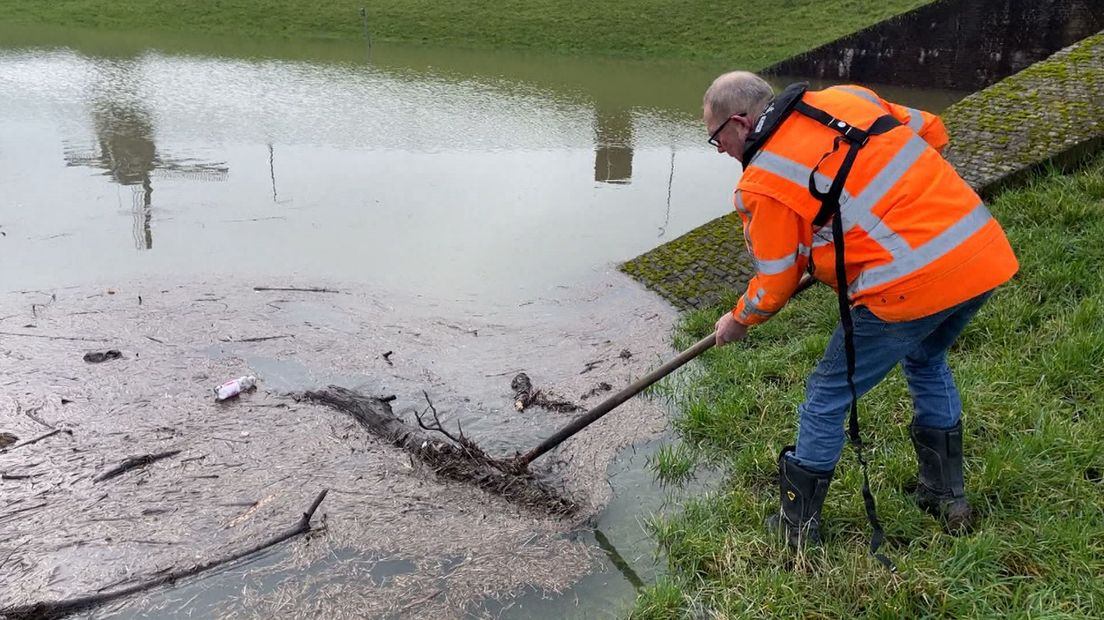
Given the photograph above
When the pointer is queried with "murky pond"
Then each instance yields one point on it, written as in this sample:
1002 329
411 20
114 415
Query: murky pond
471 207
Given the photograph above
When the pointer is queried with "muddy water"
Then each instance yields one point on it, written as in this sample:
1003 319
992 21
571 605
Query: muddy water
469 206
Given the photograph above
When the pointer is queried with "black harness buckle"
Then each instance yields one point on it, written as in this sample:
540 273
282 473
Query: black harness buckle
852 134
855 135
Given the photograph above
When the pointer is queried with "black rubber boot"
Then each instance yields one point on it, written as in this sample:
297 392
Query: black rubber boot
941 489
803 493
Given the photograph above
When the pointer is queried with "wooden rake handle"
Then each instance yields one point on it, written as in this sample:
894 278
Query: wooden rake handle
612 402
521 462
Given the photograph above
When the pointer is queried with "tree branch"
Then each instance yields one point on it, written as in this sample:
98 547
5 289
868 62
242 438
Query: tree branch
48 610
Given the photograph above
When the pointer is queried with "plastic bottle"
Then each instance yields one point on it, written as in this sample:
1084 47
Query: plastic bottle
232 388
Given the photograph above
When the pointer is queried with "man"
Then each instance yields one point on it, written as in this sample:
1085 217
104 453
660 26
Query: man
919 251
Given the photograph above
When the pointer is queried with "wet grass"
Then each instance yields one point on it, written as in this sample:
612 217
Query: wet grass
1031 369
674 463
749 34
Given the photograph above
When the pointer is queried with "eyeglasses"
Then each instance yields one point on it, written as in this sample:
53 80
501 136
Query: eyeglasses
713 141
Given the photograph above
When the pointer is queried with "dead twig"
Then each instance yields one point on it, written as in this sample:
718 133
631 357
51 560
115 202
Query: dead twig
48 610
459 459
437 422
253 508
37 439
126 579
77 338
12 552
12 514
474 332
259 219
132 463
30 413
469 447
598 389
186 604
309 289
257 339
425 599
502 374
589 366
228 440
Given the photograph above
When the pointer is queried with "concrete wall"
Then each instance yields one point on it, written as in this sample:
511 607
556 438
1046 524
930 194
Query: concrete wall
952 44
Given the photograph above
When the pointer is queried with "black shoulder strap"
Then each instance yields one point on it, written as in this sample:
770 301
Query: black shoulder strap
856 137
830 209
776 112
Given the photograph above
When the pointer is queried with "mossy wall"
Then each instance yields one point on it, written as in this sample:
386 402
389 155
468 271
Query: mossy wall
693 270
955 44
1051 111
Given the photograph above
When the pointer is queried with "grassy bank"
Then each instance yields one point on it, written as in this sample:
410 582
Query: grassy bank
1031 369
753 33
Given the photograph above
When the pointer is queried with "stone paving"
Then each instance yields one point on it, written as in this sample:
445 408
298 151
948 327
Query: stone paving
1052 111
1048 110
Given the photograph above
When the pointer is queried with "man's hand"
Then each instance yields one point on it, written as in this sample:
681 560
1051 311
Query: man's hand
728 330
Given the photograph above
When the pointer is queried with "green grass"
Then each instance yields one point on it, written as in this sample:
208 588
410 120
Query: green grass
674 463
749 34
1031 370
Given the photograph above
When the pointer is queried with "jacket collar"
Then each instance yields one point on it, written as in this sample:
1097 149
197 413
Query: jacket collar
767 122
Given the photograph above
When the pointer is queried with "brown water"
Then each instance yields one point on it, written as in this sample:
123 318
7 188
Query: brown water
471 207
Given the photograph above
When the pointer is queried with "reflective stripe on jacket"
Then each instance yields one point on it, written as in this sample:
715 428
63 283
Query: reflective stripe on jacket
917 238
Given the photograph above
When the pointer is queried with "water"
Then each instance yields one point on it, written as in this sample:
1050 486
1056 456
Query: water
247 466
482 179
161 164
461 175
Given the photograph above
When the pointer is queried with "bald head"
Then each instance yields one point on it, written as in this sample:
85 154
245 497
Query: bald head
737 92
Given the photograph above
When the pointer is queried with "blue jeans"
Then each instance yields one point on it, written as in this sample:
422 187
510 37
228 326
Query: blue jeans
919 345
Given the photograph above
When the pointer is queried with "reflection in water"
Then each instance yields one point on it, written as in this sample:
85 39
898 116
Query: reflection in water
367 35
126 151
613 153
670 184
272 168
618 560
359 157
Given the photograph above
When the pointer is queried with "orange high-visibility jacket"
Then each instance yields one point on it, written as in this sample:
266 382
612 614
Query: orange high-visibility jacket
917 238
